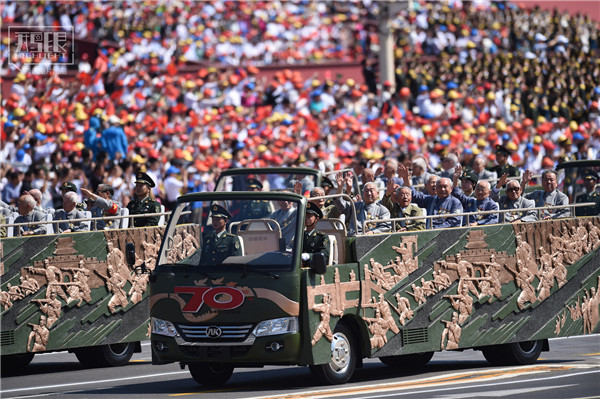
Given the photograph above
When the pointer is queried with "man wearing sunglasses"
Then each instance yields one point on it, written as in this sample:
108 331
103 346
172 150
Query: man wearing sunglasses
513 200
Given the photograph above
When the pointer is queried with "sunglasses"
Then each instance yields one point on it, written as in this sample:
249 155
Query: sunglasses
513 189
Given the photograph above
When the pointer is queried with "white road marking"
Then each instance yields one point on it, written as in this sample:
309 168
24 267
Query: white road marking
393 391
500 393
72 384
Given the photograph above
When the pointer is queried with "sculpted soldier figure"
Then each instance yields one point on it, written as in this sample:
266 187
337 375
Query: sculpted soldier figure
39 336
326 310
462 302
452 332
403 309
115 284
524 279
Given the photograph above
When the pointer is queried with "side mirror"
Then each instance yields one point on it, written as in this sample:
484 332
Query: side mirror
317 263
130 254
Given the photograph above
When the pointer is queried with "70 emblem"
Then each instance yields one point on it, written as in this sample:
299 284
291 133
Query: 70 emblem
221 298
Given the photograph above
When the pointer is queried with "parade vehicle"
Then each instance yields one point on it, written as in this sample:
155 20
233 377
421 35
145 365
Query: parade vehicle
503 289
88 292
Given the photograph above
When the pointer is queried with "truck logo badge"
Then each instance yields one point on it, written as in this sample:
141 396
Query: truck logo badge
213 332
220 298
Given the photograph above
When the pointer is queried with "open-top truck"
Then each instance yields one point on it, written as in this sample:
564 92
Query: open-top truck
504 289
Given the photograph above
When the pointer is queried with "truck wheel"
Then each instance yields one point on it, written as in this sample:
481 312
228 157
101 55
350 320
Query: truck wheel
210 375
407 361
14 363
106 355
343 358
518 353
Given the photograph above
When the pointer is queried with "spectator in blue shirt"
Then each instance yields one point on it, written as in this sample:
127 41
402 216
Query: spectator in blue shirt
481 201
440 204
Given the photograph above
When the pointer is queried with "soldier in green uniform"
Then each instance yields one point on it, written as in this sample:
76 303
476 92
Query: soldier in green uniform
502 167
315 241
219 244
590 180
143 203
256 209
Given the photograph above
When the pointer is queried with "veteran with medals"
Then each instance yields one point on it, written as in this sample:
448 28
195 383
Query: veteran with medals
219 244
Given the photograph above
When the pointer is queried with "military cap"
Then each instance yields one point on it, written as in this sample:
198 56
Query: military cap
219 212
314 209
590 175
254 183
68 186
141 177
502 149
468 175
326 182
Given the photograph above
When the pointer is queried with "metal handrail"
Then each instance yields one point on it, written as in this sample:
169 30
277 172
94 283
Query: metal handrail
572 206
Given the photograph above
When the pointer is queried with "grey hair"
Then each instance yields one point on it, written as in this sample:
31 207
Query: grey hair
420 162
71 197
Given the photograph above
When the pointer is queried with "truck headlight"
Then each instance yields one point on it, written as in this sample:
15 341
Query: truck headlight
163 327
284 325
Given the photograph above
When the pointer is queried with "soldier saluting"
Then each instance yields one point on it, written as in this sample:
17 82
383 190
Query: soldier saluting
142 203
219 245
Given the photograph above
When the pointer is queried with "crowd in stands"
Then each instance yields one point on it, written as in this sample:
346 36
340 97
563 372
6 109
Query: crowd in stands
469 76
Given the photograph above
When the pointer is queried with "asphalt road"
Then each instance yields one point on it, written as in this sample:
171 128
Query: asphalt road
570 370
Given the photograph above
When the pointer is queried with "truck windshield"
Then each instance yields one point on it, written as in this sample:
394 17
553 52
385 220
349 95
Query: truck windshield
267 181
250 234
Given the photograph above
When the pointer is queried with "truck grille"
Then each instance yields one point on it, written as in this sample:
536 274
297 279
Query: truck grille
199 333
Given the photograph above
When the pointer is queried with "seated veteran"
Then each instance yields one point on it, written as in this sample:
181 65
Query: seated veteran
315 241
27 214
481 201
442 203
367 211
398 201
70 213
219 244
513 200
549 196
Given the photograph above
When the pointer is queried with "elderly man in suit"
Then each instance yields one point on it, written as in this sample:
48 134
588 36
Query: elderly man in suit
70 213
442 203
513 200
27 214
367 210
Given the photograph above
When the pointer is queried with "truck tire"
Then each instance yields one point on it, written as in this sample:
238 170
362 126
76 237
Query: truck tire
518 353
407 361
210 375
343 361
14 363
106 355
